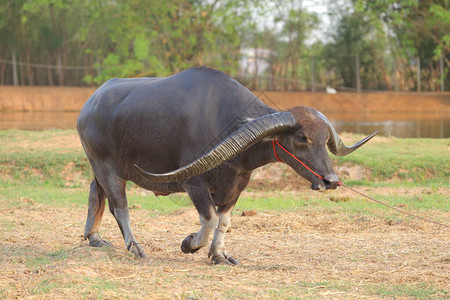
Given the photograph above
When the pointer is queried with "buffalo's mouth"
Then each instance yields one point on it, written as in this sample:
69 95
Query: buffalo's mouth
330 181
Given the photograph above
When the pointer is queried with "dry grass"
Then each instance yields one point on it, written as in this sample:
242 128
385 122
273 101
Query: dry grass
30 141
310 252
283 255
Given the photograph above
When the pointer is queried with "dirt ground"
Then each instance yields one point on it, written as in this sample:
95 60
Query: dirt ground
301 254
306 253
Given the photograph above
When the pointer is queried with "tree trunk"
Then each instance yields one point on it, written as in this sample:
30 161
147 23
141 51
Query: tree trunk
49 74
59 70
358 78
441 71
381 67
286 76
29 70
255 77
313 84
22 75
2 74
14 69
294 74
419 76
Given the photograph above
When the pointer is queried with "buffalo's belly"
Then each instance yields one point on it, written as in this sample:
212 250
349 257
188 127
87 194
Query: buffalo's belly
160 188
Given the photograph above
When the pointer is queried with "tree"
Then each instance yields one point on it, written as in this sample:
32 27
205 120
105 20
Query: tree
416 29
75 42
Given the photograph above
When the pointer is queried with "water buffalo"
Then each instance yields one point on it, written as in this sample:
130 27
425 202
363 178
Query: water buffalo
199 132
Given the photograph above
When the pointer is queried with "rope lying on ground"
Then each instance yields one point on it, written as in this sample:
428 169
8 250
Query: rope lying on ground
387 205
340 183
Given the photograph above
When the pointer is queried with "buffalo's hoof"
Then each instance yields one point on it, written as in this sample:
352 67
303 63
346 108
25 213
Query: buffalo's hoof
224 259
137 250
186 244
100 243
96 240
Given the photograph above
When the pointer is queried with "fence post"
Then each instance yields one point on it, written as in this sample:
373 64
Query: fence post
395 75
441 67
313 86
14 69
358 80
59 69
418 74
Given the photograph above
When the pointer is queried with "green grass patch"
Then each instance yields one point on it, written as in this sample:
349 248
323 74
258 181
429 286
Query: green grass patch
50 167
308 290
332 202
160 205
416 291
17 194
47 259
43 166
36 156
275 202
97 288
411 160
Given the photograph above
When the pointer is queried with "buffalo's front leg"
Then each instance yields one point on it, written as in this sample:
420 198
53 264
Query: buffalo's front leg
217 251
202 200
195 241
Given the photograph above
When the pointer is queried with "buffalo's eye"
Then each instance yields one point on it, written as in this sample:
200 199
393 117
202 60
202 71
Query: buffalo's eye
301 137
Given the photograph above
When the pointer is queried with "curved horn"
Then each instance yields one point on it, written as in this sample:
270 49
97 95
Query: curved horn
336 145
228 148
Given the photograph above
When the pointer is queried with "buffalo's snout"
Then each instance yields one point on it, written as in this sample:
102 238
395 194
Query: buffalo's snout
331 181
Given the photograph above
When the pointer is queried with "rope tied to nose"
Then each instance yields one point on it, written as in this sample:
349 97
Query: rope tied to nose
295 157
340 183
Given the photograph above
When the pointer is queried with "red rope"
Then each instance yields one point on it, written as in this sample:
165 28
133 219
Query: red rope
275 151
340 183
309 169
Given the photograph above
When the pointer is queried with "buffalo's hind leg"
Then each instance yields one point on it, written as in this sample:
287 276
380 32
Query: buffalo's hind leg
115 190
95 214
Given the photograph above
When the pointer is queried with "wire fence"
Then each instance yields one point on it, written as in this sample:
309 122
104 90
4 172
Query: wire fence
46 66
16 72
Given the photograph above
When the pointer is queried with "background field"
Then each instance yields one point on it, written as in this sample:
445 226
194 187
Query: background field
292 242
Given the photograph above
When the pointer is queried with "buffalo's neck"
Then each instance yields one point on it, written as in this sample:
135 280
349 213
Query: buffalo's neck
258 155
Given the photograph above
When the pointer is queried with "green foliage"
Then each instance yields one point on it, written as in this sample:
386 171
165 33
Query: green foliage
123 38
97 40
412 29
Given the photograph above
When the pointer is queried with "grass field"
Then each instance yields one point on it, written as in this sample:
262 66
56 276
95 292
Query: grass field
295 244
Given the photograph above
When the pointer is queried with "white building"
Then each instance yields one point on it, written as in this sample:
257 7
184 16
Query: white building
255 60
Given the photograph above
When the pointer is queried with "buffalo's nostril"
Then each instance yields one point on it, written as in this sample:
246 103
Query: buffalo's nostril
331 181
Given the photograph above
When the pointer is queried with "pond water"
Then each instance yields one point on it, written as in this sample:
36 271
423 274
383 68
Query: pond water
398 125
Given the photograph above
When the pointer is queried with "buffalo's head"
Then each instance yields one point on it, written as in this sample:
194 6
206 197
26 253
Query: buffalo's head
302 131
308 142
